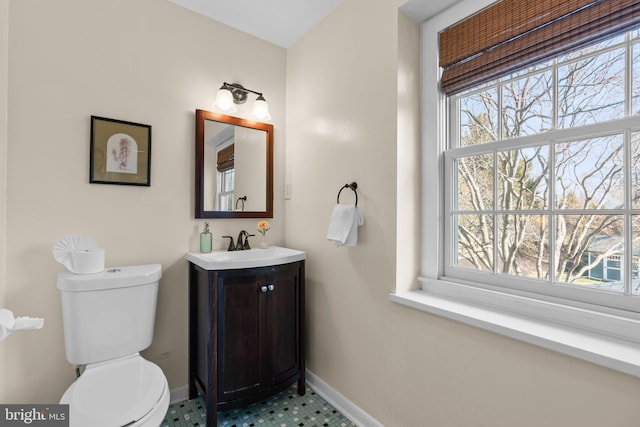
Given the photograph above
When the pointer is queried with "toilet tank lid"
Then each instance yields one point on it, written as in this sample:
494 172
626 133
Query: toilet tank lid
110 278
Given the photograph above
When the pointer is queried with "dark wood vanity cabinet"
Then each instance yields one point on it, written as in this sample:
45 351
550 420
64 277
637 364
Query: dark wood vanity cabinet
246 334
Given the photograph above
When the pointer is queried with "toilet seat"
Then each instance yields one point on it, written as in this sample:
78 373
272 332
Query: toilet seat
116 393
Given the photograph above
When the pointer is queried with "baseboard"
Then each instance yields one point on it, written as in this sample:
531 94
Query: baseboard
341 403
179 394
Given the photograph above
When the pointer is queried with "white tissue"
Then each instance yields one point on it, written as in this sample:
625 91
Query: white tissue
88 261
80 254
8 323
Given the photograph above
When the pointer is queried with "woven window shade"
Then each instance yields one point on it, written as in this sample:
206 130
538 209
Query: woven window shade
226 158
513 34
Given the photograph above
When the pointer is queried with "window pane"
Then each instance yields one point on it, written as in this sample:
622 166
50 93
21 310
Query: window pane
228 180
226 202
585 245
530 69
591 90
527 105
474 183
592 48
635 259
523 178
589 174
479 117
635 170
635 84
523 246
474 242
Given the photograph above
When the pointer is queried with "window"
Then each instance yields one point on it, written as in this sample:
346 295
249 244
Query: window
226 172
473 176
225 193
542 178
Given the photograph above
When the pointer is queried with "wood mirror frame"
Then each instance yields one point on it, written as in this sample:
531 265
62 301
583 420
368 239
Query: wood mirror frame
200 212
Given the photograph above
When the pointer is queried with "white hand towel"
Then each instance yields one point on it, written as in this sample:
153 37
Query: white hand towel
343 225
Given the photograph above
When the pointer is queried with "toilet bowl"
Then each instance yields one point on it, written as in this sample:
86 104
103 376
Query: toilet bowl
108 319
129 391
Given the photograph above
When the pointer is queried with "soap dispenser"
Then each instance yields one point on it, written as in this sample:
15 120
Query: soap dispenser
205 239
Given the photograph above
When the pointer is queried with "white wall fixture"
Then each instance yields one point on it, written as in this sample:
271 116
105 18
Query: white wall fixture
9 323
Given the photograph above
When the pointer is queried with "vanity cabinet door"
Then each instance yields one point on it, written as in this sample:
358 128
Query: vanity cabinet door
242 335
283 320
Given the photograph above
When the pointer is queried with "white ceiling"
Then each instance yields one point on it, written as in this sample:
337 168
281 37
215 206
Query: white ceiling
282 22
421 10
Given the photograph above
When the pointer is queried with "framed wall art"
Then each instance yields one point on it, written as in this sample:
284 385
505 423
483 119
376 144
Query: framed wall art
120 152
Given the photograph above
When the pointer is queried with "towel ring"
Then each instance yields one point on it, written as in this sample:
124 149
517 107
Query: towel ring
352 186
241 199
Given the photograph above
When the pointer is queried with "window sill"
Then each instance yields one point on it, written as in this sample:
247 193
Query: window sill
606 339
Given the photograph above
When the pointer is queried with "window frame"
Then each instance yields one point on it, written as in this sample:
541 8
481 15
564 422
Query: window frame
453 150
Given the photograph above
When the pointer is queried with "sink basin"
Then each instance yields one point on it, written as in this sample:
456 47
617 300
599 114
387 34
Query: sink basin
223 260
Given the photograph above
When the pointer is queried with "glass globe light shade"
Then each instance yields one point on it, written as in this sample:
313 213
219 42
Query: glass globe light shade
224 100
260 109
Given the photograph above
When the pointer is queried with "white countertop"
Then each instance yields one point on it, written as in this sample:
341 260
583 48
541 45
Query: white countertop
230 260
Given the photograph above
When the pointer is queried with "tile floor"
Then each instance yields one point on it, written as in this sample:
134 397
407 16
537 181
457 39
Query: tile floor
285 409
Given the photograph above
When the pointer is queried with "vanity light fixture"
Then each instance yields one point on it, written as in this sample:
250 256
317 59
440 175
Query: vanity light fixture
231 94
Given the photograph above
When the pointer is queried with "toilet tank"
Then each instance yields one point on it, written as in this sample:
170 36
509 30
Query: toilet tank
109 314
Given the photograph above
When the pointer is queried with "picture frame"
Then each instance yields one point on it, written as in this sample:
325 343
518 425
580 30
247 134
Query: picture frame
120 152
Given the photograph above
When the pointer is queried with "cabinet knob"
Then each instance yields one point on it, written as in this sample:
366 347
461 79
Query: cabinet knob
271 287
263 289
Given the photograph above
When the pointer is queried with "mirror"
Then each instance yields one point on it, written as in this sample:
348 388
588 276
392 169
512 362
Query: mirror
234 167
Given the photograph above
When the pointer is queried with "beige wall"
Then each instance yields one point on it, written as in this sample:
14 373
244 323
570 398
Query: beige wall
4 51
146 61
404 367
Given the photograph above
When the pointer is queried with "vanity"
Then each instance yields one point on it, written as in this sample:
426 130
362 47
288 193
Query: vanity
246 326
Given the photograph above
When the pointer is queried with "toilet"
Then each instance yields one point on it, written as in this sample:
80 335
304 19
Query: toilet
108 319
